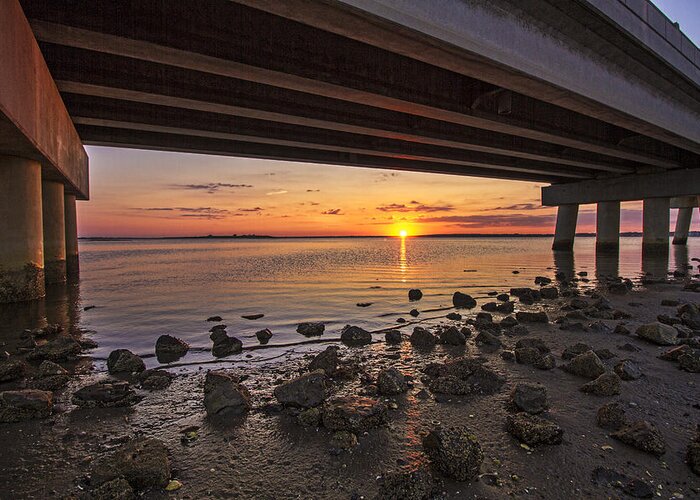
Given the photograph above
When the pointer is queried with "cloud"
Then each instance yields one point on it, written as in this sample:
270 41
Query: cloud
211 187
254 209
385 176
208 213
494 220
278 191
332 211
520 206
414 207
313 190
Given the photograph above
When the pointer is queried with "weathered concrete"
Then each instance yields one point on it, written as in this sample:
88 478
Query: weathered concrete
34 123
608 226
680 235
54 224
565 231
625 188
21 237
72 257
655 226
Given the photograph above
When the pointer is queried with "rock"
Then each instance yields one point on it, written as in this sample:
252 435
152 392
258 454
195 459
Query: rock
116 489
643 436
506 307
690 361
503 297
611 416
463 376
142 462
488 339
621 329
264 335
217 327
12 369
530 398
490 306
531 317
533 430
355 414
618 288
542 280
343 440
675 353
62 348
223 345
608 384
311 329
628 347
311 417
462 300
50 377
605 354
452 336
578 303
599 327
169 348
24 404
326 360
105 394
638 489
414 313
391 381
305 391
355 336
586 365
693 453
571 352
658 333
545 362
253 317
393 337
422 338
534 343
124 361
508 322
414 483
508 355
449 384
453 316
549 292
454 452
527 355
628 370
49 369
224 396
155 380
215 319
415 294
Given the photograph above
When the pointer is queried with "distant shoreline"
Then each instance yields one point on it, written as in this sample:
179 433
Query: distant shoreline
266 237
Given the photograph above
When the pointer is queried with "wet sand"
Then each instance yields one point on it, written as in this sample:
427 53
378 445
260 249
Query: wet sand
268 454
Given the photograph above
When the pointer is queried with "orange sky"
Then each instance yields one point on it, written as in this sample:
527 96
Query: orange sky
144 193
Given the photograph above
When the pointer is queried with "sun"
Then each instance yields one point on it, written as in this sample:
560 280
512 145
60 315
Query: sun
403 233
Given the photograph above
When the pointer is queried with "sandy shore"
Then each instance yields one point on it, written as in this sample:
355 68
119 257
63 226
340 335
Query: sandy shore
268 452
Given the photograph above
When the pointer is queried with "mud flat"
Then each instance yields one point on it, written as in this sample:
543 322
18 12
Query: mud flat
567 398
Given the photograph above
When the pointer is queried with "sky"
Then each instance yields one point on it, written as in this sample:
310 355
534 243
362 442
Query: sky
144 193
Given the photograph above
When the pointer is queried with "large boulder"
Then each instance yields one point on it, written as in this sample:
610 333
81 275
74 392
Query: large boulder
224 396
49 377
608 384
124 361
415 294
391 381
422 338
454 452
628 370
354 414
393 337
169 348
658 333
62 348
452 336
411 483
105 394
263 335
530 398
25 404
462 300
570 352
311 329
325 360
643 436
223 345
153 380
533 430
142 462
586 365
355 336
304 391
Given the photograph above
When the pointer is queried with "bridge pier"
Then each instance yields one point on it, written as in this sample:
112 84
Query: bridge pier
655 225
21 243
680 235
566 228
608 227
54 222
71 235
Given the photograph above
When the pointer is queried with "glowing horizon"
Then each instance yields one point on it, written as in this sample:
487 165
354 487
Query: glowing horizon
138 193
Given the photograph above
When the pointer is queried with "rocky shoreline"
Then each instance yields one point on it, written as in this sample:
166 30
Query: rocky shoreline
566 389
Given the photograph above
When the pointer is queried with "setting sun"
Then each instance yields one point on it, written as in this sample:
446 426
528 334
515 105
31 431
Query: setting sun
403 233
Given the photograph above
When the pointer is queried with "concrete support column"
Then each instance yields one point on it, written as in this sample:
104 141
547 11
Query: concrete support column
72 259
566 227
680 235
21 237
656 219
54 231
608 227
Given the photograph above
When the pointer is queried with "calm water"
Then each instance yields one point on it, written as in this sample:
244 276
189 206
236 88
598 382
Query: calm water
142 289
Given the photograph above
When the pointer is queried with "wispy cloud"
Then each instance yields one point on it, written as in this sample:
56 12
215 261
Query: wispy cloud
332 211
276 192
313 190
415 207
520 206
208 213
211 187
494 220
254 209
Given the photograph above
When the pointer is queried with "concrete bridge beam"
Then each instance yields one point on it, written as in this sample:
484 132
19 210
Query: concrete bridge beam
566 228
680 235
54 226
608 226
655 225
21 240
71 226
